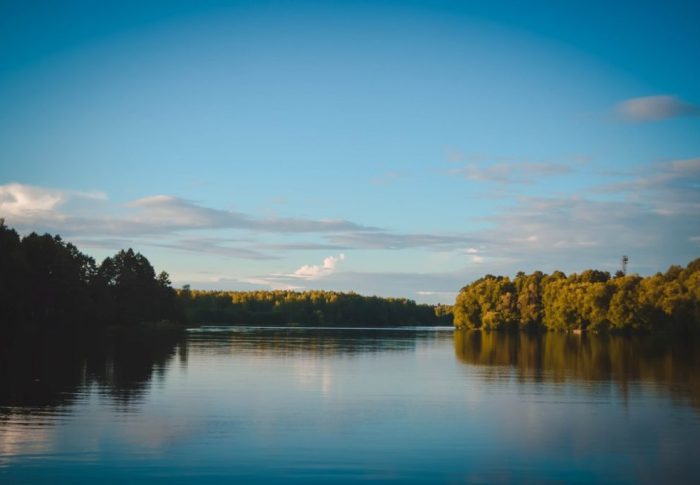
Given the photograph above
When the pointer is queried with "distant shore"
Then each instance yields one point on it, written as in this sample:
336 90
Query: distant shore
48 286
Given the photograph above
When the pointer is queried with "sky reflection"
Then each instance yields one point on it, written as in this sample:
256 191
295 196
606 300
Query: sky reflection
320 405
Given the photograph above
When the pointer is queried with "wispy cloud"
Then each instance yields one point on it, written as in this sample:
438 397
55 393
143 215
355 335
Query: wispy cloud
38 208
544 233
389 240
511 172
215 246
386 178
669 187
436 287
654 108
25 202
302 246
539 233
175 223
653 216
295 280
173 213
660 175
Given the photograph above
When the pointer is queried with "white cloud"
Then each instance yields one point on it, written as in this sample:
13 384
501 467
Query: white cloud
26 202
330 262
654 108
23 201
170 222
66 212
315 271
655 222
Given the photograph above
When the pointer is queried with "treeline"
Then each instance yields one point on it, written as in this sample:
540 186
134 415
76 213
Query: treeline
283 307
591 300
48 284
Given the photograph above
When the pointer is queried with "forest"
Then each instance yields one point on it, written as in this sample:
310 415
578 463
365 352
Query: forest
592 300
47 284
325 308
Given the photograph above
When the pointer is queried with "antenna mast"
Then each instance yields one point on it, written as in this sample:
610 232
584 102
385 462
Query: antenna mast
625 260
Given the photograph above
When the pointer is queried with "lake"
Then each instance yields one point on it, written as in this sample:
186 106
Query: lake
259 405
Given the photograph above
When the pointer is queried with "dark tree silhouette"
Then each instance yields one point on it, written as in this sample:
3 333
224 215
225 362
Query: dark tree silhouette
47 284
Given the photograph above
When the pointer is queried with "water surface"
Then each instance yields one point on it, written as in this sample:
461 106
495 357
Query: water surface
342 405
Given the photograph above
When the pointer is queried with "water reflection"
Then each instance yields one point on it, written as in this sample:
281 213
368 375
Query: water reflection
343 405
49 373
669 363
317 341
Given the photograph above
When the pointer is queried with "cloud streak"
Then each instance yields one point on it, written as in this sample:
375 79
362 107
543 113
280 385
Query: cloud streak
173 213
174 223
655 108
672 188
511 172
435 287
653 215
40 208
660 175
397 241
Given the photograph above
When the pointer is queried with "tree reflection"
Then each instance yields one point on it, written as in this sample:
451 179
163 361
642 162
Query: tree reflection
312 341
51 373
670 363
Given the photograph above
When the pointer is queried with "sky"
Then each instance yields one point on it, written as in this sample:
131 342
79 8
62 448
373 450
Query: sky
390 148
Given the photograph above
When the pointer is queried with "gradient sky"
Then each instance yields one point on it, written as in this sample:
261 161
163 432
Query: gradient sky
391 148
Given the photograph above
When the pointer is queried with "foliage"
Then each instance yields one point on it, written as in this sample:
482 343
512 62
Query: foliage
134 293
309 307
47 284
591 300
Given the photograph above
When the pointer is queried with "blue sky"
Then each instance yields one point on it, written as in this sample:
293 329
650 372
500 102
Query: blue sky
392 148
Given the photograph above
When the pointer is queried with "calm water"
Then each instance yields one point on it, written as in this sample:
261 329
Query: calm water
323 405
